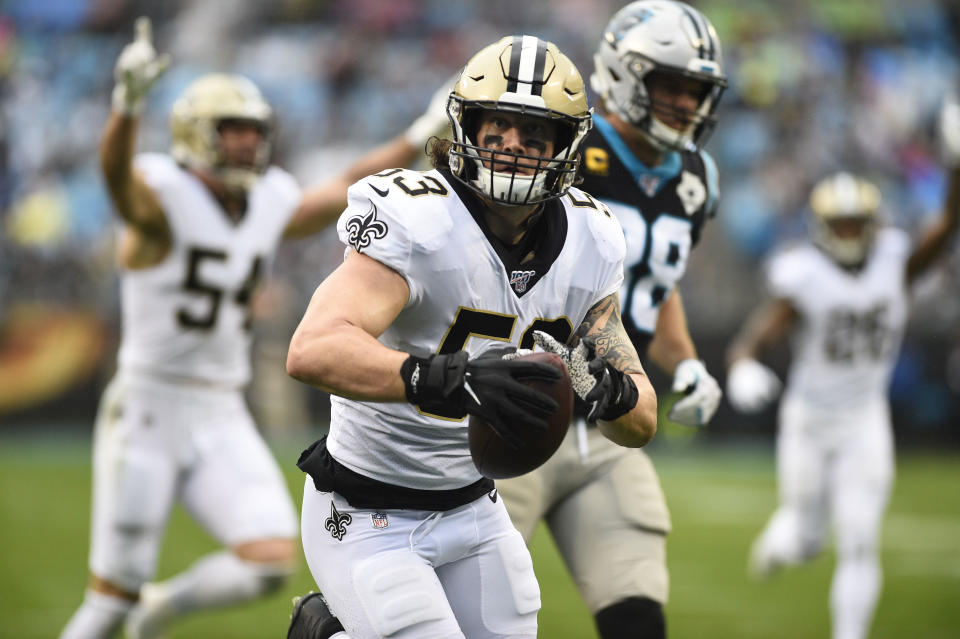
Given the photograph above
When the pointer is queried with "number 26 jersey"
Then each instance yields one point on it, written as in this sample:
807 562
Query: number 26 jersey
851 322
188 317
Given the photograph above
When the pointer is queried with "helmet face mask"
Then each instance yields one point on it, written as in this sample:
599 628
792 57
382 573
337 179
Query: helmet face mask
523 79
660 39
202 114
845 211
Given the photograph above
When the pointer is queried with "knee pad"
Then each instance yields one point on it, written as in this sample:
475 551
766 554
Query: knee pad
398 591
633 618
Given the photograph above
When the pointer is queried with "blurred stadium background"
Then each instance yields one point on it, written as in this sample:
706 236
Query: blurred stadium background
815 86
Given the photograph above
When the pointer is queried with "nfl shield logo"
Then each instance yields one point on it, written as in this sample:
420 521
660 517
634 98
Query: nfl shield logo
379 520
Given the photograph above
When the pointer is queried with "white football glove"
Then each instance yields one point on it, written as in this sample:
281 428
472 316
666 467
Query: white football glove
949 129
136 70
751 385
608 392
434 120
701 394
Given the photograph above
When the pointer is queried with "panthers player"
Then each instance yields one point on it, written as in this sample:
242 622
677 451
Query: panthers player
658 71
200 227
844 295
444 269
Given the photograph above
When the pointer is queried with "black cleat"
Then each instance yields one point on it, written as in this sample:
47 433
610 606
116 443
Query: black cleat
312 619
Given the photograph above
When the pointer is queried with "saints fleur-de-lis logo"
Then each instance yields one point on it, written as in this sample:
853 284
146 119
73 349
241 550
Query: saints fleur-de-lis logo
365 228
692 192
337 522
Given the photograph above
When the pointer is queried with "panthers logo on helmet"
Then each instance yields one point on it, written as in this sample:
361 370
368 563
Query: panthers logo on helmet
664 37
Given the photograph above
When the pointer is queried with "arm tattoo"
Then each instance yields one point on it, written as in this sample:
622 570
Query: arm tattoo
603 328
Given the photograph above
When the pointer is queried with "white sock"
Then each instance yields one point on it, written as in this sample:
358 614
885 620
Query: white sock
853 595
98 617
214 581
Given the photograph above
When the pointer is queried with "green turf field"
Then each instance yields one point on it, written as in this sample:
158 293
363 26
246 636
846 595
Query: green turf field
719 500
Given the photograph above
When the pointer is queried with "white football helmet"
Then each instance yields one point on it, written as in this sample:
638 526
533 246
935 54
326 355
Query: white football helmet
528 76
840 199
199 111
666 37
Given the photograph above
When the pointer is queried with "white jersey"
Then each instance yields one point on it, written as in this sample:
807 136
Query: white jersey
851 323
188 317
463 296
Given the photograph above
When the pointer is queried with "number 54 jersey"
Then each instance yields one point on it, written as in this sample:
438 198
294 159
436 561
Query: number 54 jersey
851 322
188 317
468 291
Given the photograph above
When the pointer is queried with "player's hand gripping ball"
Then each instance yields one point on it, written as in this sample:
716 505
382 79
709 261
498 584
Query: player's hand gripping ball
495 458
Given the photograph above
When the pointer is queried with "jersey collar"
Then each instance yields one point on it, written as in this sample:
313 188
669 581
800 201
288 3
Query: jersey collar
545 238
659 175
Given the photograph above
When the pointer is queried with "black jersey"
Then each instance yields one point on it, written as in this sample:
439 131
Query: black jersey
662 211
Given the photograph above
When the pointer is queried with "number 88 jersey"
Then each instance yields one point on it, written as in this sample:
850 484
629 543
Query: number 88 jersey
188 317
662 211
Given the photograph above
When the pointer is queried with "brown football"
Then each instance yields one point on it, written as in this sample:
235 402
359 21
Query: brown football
494 458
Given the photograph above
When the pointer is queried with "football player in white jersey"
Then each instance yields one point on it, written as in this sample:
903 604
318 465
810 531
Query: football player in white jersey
658 71
200 228
843 297
492 249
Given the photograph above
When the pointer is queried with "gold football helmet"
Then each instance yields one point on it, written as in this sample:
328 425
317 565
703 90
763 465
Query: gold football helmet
846 212
531 77
199 111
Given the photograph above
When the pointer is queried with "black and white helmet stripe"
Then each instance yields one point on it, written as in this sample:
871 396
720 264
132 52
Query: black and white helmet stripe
703 32
527 61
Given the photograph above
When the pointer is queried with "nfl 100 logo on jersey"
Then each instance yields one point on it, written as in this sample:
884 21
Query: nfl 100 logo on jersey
519 280
364 229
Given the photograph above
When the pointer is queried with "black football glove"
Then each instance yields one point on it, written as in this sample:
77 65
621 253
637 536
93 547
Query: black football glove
608 392
488 386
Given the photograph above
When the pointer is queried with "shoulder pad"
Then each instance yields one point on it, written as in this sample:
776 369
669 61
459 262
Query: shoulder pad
392 213
712 180
602 223
157 169
282 183
786 269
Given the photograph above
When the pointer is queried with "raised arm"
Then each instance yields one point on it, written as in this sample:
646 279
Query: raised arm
937 238
137 69
321 205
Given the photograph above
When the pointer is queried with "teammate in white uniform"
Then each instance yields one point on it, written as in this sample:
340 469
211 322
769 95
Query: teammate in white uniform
659 72
845 295
402 534
200 228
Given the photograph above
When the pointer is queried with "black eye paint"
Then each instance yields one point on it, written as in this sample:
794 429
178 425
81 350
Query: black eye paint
536 145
